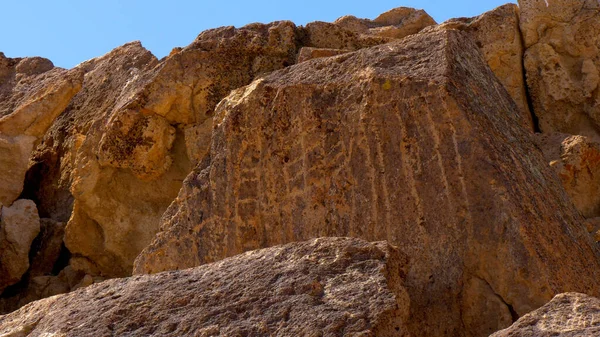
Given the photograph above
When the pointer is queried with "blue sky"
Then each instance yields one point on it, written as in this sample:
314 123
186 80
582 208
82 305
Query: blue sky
71 31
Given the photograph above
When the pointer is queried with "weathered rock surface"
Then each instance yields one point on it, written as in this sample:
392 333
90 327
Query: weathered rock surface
328 287
415 142
576 159
130 167
561 63
309 53
352 33
32 94
497 35
19 225
567 315
396 23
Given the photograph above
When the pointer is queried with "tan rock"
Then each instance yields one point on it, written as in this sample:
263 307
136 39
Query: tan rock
309 53
132 162
107 79
19 225
32 94
415 142
351 33
576 160
326 287
498 37
567 315
561 61
396 23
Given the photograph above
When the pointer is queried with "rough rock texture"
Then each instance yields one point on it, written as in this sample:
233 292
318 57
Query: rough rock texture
351 33
396 23
561 62
131 165
324 287
497 35
415 142
309 53
50 176
32 94
576 159
19 225
567 315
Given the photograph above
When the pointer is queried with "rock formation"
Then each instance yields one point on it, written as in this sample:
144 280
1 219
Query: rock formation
567 315
323 287
32 94
561 61
393 129
114 174
415 142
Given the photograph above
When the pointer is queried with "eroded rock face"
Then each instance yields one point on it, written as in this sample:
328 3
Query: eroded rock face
567 315
497 35
326 286
32 94
561 62
415 142
396 23
19 225
576 159
132 161
309 53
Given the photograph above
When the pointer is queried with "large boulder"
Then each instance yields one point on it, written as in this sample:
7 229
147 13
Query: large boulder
415 142
567 315
19 225
32 94
324 287
561 62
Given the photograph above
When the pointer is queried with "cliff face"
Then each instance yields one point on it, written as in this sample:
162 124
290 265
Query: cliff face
394 129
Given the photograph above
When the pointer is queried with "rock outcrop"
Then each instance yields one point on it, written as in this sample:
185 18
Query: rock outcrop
326 287
567 315
561 63
415 142
130 167
19 225
396 23
124 165
32 94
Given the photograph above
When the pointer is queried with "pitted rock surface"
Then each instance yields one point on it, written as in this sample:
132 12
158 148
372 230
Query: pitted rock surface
324 287
567 315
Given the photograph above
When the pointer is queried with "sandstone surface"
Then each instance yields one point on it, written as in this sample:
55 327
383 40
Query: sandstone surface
497 35
32 94
567 315
415 142
130 167
561 63
19 225
116 158
324 287
396 23
309 53
576 160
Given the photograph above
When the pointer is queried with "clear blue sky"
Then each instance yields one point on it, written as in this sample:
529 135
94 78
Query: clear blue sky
71 31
